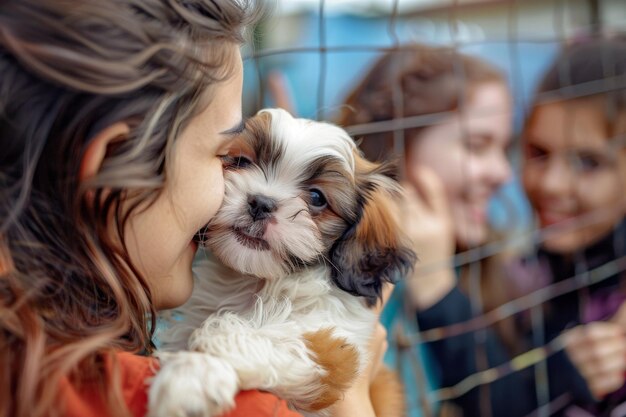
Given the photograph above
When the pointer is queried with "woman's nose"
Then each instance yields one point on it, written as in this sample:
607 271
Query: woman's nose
498 169
556 177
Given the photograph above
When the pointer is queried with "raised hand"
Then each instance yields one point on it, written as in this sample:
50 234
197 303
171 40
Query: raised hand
598 350
425 215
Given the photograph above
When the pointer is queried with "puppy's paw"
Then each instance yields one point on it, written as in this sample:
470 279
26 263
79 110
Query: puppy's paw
339 359
192 384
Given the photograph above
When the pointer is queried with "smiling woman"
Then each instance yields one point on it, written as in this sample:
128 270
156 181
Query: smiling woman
465 148
574 173
467 151
453 166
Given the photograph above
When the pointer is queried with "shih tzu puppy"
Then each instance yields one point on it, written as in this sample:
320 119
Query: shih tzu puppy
301 248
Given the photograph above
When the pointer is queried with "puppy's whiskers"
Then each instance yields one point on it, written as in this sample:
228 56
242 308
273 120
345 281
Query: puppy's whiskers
293 217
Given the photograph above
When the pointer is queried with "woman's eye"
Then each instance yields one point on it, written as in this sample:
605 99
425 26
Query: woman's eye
317 198
477 143
477 147
587 162
535 154
241 162
235 162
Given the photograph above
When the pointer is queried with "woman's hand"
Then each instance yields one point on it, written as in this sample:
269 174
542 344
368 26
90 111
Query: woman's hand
356 401
425 215
598 350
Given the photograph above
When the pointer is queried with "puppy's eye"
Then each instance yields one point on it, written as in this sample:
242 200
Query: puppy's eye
317 198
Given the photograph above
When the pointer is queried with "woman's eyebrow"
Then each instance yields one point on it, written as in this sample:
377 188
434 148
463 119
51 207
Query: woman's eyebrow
235 130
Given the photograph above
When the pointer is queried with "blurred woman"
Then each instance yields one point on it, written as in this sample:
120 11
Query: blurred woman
574 172
454 164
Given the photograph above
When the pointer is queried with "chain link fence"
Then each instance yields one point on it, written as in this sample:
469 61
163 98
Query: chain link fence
308 55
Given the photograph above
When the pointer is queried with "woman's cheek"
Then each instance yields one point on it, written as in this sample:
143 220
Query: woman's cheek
214 195
599 191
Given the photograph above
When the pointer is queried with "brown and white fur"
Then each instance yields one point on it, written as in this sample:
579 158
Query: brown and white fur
305 240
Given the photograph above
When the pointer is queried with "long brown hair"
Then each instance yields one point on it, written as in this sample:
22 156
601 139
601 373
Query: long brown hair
593 70
429 79
69 295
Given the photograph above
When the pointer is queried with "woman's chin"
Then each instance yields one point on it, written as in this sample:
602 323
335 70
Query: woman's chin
564 243
174 295
471 236
175 289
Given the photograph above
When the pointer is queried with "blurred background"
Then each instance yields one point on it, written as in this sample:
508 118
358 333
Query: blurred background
309 54
319 49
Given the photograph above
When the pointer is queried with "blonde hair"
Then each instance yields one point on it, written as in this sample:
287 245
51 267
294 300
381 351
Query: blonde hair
69 295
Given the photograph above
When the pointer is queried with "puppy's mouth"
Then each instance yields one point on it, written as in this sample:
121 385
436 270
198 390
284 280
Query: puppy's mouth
248 241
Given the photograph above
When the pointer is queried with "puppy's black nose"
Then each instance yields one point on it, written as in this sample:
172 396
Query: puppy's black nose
260 206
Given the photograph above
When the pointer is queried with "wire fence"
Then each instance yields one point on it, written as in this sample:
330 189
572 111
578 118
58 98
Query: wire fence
309 48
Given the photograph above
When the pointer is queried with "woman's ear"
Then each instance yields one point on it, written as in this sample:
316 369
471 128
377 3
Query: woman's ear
97 149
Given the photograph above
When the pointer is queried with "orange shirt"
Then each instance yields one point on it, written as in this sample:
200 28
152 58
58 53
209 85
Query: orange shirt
135 370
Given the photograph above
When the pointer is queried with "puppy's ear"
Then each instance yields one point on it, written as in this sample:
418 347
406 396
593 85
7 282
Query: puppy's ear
372 250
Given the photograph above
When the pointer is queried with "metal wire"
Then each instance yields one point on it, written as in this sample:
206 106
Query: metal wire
481 321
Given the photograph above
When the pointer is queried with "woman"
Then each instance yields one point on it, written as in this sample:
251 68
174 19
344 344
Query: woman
574 175
574 171
453 163
114 120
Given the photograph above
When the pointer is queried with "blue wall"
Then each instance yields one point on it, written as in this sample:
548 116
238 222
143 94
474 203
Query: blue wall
523 62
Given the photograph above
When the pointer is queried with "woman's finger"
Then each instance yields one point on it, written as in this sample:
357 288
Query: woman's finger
620 316
597 348
430 188
386 293
411 203
606 384
606 365
595 331
378 347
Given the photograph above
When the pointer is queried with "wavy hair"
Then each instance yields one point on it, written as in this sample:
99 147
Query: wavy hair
69 295
429 79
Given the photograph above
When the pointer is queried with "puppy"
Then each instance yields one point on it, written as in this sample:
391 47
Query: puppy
304 241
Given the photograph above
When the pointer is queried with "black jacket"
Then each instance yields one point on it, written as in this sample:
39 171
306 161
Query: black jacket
516 394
